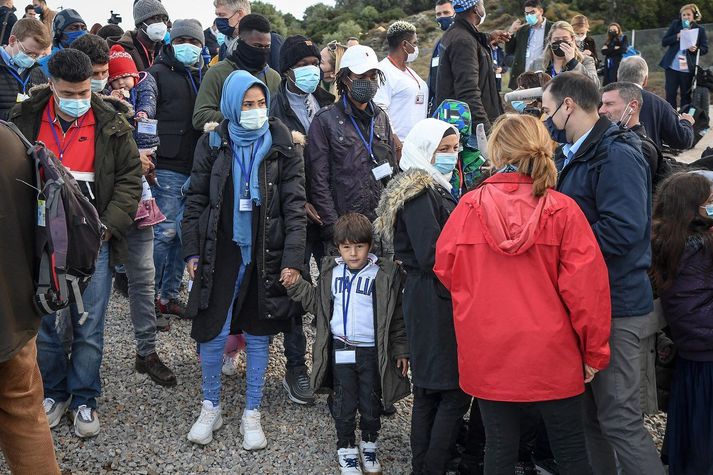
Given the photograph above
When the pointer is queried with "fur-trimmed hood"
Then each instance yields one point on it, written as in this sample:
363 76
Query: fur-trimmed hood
402 188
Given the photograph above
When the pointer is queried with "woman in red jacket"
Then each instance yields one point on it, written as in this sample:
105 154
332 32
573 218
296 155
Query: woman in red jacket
530 298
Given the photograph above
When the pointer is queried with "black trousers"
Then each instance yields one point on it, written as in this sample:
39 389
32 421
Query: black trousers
564 420
676 80
435 421
356 386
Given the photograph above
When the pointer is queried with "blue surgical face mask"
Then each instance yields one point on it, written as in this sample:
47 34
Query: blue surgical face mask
74 107
38 10
187 54
307 78
709 209
220 38
531 19
519 106
445 162
558 135
253 119
686 23
98 85
445 22
167 38
21 60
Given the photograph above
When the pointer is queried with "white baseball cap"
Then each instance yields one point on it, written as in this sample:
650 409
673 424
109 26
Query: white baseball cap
359 59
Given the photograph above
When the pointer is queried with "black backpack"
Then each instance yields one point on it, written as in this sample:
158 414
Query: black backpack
68 232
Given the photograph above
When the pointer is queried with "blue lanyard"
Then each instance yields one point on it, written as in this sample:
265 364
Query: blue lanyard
193 82
345 299
56 136
247 171
368 145
18 78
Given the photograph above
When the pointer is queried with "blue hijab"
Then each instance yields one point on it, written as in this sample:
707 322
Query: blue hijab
249 147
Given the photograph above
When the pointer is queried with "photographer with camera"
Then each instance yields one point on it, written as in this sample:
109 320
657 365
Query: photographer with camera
562 54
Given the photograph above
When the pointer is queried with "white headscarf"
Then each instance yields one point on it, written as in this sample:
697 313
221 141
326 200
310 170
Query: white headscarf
420 145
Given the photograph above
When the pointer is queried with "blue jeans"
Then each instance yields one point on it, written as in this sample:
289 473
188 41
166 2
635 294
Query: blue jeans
257 350
140 272
78 375
167 254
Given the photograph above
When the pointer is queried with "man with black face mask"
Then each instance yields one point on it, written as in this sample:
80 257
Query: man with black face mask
445 15
144 43
602 168
350 155
250 53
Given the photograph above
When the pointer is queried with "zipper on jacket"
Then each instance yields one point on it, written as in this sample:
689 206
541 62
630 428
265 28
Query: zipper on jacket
264 231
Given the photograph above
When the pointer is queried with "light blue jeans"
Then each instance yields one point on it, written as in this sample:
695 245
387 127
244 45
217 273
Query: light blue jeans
257 349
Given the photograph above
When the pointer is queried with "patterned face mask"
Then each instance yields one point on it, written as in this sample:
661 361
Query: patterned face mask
363 90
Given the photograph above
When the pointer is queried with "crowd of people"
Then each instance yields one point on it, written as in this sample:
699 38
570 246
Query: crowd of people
512 266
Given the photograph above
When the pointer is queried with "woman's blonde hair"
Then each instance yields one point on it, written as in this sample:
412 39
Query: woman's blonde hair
523 141
694 9
548 56
580 21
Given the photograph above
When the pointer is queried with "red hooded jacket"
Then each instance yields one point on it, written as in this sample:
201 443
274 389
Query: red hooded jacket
530 292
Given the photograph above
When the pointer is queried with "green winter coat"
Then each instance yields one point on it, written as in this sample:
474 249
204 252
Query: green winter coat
390 331
117 166
207 108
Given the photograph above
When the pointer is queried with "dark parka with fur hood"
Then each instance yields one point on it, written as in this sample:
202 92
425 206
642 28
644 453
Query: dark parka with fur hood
279 231
117 166
389 329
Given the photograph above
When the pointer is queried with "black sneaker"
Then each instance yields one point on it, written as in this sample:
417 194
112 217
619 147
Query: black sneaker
121 284
388 411
297 385
156 370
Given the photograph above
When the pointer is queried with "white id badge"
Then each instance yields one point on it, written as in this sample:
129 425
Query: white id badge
345 356
21 97
246 204
382 171
682 62
498 76
435 62
41 213
147 126
420 97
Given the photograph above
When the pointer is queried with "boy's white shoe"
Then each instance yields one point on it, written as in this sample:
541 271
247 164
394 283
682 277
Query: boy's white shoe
230 365
348 460
369 460
251 429
210 420
55 410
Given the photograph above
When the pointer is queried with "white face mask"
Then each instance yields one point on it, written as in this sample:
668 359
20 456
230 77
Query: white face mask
412 56
156 31
580 37
253 119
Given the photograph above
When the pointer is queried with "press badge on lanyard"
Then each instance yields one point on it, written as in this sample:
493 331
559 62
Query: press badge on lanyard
682 62
246 203
345 356
147 126
379 170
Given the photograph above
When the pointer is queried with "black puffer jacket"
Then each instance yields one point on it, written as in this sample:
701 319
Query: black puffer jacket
278 231
11 87
338 166
280 107
174 111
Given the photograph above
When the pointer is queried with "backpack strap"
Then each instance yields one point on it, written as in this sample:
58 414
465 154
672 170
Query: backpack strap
4 24
10 125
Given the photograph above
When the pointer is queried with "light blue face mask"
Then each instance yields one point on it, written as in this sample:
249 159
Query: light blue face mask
686 23
74 107
519 106
98 85
21 60
709 210
253 119
187 54
307 78
445 162
531 19
220 38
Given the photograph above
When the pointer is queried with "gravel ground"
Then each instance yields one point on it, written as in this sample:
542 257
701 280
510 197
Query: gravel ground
144 426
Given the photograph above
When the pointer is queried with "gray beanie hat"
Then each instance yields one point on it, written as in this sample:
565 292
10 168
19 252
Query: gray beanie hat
190 28
145 9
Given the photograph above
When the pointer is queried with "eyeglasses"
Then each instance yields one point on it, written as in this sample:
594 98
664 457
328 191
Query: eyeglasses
31 55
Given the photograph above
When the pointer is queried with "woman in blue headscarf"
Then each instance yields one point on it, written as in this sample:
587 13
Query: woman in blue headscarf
243 238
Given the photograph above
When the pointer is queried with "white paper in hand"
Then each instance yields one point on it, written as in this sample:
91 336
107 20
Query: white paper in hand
689 38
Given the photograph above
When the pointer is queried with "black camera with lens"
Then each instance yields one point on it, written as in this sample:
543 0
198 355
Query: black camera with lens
114 19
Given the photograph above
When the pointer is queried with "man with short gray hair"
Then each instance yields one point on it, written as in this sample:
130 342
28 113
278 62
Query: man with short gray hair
659 118
228 15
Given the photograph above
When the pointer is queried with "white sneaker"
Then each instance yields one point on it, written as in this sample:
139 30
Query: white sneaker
210 420
367 451
348 460
55 410
86 422
251 429
230 365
